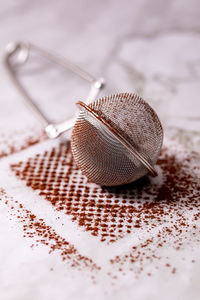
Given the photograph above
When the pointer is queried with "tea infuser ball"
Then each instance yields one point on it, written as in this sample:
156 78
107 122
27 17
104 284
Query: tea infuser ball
116 139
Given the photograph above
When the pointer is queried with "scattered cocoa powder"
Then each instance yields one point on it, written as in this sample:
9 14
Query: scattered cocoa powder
175 209
18 141
111 213
168 209
44 234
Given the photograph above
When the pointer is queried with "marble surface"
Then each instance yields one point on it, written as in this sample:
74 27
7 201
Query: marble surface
148 47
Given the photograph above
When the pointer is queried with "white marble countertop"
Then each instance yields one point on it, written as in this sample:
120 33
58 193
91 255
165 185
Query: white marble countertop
148 47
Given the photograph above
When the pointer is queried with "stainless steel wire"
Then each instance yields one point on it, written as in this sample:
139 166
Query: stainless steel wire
115 140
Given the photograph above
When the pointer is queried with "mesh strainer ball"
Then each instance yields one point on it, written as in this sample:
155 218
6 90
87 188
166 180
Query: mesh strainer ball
116 139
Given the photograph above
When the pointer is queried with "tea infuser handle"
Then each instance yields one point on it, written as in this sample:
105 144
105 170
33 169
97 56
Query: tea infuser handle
17 54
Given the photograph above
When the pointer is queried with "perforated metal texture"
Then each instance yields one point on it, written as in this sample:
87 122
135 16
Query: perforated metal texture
100 156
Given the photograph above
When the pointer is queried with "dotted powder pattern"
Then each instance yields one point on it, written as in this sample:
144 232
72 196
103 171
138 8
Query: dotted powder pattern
112 213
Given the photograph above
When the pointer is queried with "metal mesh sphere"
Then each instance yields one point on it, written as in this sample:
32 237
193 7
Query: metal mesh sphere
105 133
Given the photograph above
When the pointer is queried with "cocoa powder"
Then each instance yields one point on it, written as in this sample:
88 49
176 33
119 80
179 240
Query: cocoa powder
44 234
18 141
112 213
109 213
